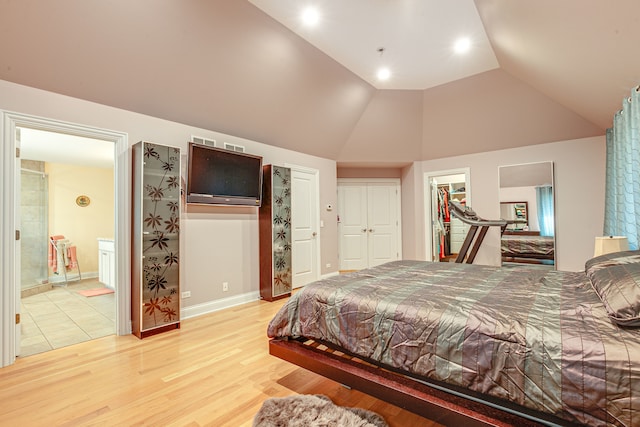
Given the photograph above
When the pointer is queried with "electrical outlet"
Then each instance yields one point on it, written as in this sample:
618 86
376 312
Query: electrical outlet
186 294
225 286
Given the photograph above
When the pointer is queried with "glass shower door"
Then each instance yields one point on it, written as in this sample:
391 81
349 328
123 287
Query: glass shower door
34 187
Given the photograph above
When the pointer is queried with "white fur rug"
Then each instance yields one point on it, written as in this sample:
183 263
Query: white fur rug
313 411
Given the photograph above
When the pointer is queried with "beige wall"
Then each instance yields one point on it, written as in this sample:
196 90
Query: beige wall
579 167
81 225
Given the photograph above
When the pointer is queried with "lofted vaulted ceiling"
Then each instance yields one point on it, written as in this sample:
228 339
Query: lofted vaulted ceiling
413 39
560 71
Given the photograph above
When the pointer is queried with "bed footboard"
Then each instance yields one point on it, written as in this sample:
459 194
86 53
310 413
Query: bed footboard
407 393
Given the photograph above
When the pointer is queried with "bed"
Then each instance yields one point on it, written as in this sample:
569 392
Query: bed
479 345
520 245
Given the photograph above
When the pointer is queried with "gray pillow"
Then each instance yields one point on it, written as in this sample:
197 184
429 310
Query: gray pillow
616 279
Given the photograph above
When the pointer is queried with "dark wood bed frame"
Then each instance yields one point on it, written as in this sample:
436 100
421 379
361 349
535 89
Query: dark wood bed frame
451 408
526 258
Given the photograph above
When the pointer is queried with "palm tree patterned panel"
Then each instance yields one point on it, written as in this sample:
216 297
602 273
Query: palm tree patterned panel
161 229
281 193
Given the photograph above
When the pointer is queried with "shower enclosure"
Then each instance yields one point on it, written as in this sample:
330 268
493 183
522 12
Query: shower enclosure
34 270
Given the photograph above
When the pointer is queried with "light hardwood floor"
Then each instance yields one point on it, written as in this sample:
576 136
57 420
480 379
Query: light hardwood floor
214 371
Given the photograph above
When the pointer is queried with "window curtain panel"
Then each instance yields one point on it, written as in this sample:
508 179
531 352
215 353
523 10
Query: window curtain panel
544 200
622 187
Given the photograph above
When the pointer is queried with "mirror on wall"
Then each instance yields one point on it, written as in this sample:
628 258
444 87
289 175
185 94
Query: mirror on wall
527 201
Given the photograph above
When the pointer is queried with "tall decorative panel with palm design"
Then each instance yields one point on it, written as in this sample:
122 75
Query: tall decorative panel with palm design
275 233
155 281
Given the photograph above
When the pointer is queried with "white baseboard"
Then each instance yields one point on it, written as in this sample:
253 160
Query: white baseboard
59 278
220 304
334 273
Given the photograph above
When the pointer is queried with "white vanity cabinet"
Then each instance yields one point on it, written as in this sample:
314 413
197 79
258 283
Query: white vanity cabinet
458 230
107 263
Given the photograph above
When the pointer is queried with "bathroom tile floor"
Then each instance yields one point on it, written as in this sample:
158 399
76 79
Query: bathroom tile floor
62 317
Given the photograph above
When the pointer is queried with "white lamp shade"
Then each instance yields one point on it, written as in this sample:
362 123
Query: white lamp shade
609 244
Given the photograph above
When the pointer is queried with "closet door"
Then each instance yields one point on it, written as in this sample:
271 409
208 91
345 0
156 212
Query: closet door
382 223
353 227
369 225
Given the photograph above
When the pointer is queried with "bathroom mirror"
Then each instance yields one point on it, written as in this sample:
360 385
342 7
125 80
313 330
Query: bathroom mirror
527 202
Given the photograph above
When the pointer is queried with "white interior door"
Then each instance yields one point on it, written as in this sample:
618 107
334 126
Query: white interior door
353 227
304 226
382 220
17 276
435 227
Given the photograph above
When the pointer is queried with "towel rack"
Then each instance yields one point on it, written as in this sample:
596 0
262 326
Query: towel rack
62 255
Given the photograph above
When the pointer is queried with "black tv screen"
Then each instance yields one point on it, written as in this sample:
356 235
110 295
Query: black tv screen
223 177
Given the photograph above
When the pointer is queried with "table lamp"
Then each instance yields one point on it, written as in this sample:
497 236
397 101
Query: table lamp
609 244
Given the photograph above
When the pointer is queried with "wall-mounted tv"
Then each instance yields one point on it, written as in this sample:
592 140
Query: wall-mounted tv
222 177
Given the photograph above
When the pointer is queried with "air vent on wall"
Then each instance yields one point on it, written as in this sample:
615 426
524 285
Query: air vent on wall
203 141
233 147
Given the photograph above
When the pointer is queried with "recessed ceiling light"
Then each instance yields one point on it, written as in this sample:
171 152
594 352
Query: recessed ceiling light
462 45
384 74
310 16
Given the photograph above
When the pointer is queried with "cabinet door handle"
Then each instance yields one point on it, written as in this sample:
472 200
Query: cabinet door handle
364 230
314 234
371 230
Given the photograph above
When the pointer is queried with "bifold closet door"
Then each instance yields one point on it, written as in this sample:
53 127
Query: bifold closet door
369 227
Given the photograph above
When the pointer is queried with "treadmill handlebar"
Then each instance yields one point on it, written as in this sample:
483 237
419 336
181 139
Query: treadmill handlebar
468 216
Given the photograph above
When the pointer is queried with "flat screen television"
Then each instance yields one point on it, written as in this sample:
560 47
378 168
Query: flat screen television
222 177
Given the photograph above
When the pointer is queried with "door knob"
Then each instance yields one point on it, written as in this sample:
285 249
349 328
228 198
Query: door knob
314 234
364 230
371 230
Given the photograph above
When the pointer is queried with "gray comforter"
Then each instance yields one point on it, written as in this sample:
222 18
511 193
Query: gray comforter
527 246
538 338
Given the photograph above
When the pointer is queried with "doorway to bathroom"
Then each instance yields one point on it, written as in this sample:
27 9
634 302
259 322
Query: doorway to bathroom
10 227
67 197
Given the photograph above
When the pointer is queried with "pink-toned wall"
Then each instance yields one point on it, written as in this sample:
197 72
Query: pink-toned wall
486 112
219 244
493 111
579 178
369 172
389 130
222 65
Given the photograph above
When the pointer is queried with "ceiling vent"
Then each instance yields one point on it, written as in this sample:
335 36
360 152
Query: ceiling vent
203 141
233 147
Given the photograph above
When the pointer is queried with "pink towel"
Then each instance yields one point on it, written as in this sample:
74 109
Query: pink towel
53 256
73 258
